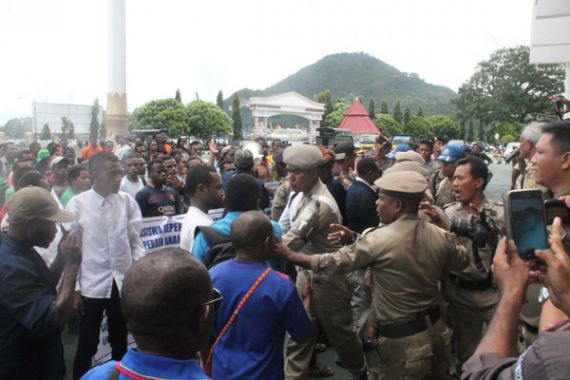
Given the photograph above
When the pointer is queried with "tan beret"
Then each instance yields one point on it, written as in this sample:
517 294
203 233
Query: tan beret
412 166
402 183
410 155
303 157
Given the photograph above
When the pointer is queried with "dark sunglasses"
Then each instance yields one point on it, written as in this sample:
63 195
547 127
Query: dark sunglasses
215 301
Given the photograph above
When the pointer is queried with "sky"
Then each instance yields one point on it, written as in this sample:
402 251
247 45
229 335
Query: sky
56 50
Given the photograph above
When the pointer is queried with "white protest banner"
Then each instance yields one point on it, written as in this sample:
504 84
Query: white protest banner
161 232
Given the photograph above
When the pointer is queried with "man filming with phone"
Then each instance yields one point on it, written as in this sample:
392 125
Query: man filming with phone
495 357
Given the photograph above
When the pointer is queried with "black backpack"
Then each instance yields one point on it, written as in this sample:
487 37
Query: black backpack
220 246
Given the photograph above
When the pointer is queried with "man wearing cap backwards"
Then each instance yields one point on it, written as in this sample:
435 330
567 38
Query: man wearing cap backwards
32 311
407 256
311 214
470 292
442 180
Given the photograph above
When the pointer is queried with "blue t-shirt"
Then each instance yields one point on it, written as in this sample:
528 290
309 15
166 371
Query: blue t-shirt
30 342
224 226
252 348
149 366
157 202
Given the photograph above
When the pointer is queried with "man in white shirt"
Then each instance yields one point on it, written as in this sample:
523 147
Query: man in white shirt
133 182
108 222
204 186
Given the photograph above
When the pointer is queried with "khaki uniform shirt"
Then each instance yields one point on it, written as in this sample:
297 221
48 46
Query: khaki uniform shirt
317 241
407 259
466 297
444 194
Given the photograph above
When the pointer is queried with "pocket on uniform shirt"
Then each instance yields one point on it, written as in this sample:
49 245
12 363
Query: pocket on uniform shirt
418 361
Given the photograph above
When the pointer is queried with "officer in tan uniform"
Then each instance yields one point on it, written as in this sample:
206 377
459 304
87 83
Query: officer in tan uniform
311 214
407 256
530 312
442 180
471 294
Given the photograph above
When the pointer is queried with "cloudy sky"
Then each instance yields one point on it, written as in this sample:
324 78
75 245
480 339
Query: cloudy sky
56 50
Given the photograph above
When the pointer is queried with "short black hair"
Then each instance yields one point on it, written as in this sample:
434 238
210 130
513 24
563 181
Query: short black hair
242 193
162 293
366 165
195 142
560 131
441 138
478 168
151 163
31 178
198 175
19 173
97 161
250 229
75 172
428 143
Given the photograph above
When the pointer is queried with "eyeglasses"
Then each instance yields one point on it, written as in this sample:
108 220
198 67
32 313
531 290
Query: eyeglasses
215 301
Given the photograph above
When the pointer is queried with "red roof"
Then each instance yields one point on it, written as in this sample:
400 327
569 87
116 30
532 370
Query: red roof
357 120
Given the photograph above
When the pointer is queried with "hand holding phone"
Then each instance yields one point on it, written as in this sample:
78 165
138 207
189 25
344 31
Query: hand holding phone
526 221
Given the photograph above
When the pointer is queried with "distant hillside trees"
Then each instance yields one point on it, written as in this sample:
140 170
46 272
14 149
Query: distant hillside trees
397 112
371 109
46 133
384 107
220 99
507 88
387 125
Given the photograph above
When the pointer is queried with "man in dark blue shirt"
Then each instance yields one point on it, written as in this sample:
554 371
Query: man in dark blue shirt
361 197
156 199
32 311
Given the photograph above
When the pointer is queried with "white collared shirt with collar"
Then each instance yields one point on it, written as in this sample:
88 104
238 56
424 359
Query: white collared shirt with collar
109 228
366 183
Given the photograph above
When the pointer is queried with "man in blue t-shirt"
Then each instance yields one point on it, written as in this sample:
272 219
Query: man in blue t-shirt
252 347
156 199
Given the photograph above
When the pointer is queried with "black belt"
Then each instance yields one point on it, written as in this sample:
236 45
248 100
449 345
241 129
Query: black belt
478 285
409 328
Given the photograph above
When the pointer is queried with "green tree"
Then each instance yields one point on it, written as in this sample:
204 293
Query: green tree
325 97
168 114
371 109
481 130
236 118
420 112
335 117
94 126
470 131
397 112
67 128
206 119
178 97
406 118
444 126
513 130
16 128
384 107
387 125
420 128
220 99
506 87
46 132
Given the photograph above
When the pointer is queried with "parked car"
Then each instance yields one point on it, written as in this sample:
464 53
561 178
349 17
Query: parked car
510 149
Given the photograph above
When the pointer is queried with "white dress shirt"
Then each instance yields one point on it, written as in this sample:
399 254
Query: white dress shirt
109 228
193 218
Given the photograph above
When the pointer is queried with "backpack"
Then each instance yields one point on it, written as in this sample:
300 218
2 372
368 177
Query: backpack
220 246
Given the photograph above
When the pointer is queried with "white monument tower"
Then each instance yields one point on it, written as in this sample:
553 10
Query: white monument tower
116 117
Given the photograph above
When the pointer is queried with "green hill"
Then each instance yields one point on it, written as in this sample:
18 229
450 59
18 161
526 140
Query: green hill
359 74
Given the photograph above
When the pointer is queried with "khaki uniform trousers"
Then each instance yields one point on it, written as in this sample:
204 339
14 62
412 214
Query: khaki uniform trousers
330 306
420 356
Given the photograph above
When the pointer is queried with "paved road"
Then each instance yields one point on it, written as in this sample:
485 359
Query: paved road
500 182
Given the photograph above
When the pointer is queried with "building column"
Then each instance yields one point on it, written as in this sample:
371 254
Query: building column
117 114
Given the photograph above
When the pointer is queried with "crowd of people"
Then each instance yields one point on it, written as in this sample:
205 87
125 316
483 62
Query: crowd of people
316 247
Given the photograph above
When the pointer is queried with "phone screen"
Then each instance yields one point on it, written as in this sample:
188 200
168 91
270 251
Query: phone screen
528 225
